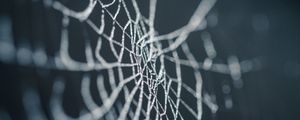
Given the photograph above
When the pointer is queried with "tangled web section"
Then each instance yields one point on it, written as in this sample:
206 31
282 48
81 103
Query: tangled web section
132 61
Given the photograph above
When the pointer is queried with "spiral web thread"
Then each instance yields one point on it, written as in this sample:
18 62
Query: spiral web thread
147 55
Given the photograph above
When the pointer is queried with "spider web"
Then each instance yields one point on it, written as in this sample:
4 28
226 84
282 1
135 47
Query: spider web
137 82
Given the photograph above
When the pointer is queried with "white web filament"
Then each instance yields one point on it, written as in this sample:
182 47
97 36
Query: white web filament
147 57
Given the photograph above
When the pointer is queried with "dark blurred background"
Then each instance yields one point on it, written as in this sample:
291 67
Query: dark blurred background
268 29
